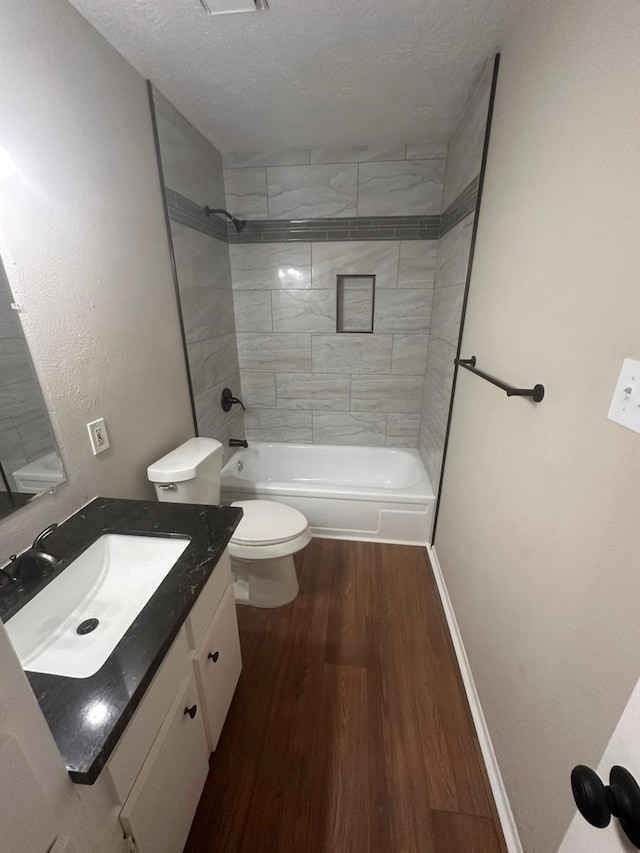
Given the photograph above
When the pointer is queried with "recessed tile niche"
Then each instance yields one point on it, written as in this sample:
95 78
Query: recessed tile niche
356 301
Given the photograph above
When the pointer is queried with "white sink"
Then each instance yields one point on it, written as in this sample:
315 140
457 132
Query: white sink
111 581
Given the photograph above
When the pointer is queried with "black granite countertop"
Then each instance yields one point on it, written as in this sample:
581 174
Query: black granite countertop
85 738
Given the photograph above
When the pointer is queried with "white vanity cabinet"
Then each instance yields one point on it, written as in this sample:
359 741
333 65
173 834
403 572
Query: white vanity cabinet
160 765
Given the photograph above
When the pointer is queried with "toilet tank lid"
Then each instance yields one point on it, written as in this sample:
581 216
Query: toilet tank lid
182 463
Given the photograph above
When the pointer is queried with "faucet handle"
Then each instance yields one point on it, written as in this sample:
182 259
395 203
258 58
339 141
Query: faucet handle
37 542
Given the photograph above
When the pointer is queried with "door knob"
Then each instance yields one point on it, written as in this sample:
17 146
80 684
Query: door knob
597 802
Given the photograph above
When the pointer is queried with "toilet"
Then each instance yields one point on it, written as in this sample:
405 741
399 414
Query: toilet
262 545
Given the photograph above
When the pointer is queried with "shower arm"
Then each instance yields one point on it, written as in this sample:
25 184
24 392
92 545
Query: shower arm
239 223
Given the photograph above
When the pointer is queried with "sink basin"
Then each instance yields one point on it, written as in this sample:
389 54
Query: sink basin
71 627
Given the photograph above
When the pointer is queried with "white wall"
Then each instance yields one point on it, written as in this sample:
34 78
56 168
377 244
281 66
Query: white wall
538 535
84 241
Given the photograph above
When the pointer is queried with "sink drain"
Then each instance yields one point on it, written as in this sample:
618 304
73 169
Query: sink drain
87 626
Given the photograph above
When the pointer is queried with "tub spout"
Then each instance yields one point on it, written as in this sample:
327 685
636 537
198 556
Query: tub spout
238 442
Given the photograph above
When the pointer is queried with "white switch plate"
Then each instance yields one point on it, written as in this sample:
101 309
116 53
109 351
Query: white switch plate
98 436
625 405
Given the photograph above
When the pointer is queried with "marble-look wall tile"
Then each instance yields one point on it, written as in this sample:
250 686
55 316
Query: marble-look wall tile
283 351
196 368
258 389
209 260
272 266
453 254
316 391
403 310
220 358
304 310
359 428
191 168
182 254
386 393
199 312
351 353
403 425
440 363
246 192
409 354
426 151
300 192
357 153
253 310
285 425
447 311
409 188
359 257
465 149
418 263
275 157
35 435
11 451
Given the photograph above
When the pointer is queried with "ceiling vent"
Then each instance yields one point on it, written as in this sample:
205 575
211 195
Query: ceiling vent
232 7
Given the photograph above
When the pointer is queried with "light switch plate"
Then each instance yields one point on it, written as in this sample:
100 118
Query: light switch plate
98 436
625 405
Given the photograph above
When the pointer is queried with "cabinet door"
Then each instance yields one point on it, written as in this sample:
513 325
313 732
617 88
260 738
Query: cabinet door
218 664
160 808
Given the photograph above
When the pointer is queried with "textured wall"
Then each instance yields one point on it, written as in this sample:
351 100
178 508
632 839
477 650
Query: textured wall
464 159
87 256
538 534
192 167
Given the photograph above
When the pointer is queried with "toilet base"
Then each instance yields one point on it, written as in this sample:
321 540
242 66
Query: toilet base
264 583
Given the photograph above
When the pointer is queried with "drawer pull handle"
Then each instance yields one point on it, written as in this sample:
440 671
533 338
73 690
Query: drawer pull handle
192 711
214 657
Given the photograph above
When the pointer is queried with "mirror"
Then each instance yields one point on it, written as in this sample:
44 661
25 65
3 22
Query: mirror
30 463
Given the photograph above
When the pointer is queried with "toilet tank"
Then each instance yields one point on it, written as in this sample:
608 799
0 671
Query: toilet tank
190 473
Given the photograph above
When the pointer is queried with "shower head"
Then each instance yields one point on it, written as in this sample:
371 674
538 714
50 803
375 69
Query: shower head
239 223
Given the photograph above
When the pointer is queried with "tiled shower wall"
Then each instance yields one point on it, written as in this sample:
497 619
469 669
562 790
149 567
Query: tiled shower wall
25 432
301 380
192 170
464 159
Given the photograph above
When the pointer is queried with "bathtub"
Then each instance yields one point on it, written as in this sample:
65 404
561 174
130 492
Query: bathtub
362 493
40 475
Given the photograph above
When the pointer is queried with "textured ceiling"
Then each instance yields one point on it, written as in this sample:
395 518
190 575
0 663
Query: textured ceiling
329 72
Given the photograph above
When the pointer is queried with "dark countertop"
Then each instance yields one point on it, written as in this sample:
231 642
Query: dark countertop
85 738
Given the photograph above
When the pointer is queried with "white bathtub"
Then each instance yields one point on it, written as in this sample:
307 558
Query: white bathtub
363 493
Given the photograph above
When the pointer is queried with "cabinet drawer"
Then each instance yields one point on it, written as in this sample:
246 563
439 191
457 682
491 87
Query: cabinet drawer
218 664
163 801
134 745
208 600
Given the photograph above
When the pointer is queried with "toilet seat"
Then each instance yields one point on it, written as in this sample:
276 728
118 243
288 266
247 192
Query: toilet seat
268 530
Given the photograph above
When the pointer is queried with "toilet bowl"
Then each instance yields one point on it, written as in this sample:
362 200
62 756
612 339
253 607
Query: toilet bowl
264 542
262 549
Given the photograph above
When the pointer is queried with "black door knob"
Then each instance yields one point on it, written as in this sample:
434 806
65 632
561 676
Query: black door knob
192 711
214 656
597 802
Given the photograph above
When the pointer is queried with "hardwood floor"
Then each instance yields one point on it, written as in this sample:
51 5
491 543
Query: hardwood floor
349 731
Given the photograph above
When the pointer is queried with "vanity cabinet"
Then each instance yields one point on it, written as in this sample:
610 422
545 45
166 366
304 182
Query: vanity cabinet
164 798
160 765
217 665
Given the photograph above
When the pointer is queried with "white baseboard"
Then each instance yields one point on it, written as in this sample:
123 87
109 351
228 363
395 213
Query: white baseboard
505 814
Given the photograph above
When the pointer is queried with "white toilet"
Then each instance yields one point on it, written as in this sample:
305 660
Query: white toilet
262 545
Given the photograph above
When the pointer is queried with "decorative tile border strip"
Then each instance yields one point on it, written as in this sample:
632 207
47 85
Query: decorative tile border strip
338 228
186 212
462 206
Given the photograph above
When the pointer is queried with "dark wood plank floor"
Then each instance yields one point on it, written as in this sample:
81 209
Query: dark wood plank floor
349 731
